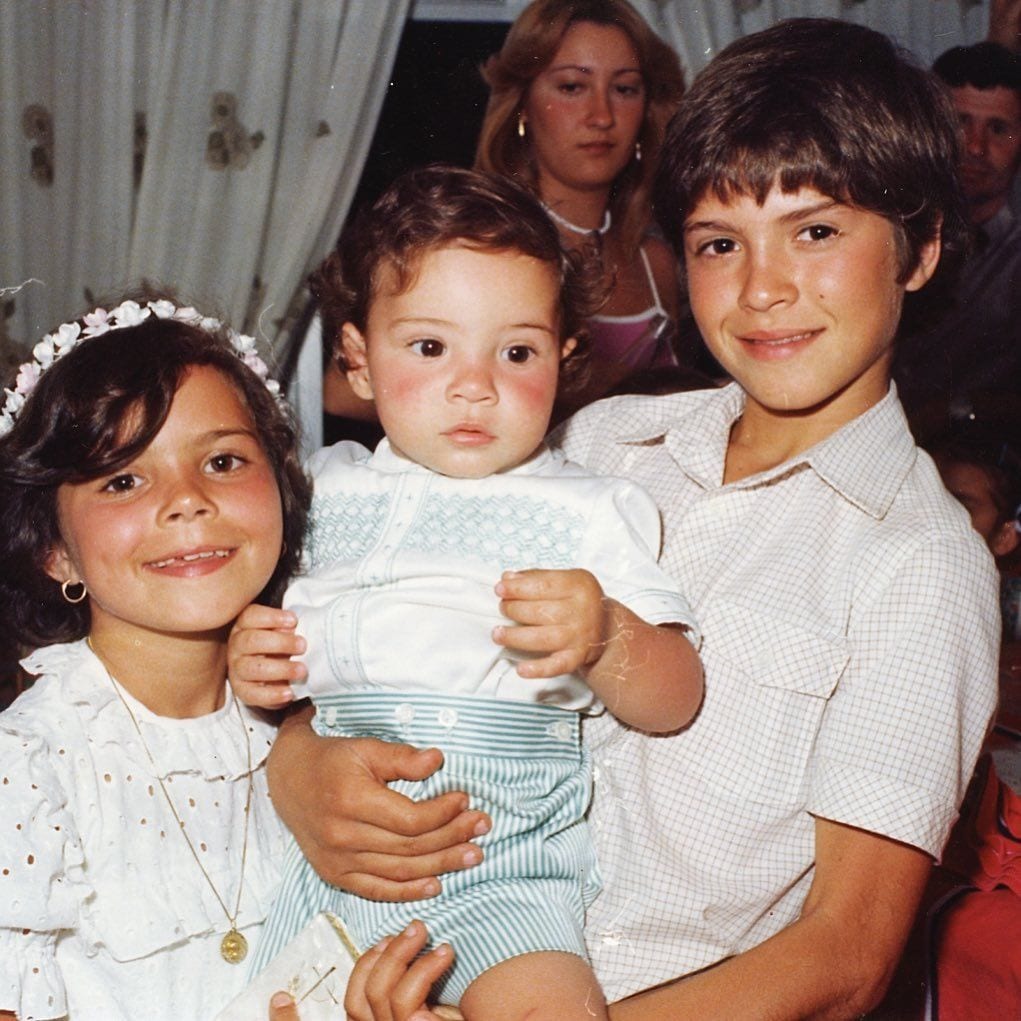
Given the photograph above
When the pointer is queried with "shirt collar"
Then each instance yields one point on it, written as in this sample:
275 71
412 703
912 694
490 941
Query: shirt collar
866 461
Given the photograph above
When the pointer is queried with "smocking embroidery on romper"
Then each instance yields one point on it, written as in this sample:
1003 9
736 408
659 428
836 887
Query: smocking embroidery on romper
344 527
517 532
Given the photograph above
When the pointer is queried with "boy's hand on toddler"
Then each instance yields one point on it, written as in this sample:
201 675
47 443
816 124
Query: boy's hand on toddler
259 652
356 831
562 614
389 984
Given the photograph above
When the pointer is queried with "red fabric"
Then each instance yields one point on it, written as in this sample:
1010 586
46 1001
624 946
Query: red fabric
976 938
985 849
979 958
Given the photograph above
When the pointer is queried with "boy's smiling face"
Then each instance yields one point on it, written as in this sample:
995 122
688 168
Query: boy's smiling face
799 299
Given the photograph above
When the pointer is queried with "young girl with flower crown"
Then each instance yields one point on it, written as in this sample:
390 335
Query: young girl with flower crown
150 489
465 587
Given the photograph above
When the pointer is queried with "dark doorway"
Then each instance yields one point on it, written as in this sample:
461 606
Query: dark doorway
434 105
431 114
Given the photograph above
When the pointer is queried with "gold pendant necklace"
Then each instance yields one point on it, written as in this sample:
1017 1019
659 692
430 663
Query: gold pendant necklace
233 946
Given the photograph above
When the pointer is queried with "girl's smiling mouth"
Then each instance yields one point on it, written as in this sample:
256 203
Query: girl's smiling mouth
200 558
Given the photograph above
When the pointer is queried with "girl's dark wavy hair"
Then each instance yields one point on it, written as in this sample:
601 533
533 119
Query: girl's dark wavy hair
430 207
92 412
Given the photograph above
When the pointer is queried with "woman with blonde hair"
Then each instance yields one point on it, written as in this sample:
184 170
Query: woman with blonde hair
580 96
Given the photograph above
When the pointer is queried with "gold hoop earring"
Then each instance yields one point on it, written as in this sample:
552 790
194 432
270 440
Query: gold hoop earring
66 586
638 152
521 124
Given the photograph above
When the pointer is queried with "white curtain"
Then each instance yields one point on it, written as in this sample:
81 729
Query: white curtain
698 29
249 122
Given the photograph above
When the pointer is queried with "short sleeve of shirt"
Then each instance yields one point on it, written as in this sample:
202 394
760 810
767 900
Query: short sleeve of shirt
910 714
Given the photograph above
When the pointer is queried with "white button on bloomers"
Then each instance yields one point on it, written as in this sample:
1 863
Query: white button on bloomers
447 718
560 731
404 713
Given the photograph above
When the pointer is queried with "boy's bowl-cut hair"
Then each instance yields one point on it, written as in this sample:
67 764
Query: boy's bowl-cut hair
821 103
428 208
91 413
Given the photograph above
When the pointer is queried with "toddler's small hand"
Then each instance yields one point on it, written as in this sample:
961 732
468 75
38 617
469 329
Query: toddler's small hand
259 652
561 614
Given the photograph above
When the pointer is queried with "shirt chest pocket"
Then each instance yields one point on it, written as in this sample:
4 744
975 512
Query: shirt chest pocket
768 683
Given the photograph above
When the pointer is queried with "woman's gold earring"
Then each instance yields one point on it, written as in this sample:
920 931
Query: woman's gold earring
638 152
521 125
77 597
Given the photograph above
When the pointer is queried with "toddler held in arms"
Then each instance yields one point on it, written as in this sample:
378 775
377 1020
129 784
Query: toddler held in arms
466 587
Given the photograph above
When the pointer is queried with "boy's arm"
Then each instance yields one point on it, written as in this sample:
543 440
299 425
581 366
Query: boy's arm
834 962
649 677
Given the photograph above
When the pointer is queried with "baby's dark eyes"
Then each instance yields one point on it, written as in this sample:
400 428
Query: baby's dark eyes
518 353
428 348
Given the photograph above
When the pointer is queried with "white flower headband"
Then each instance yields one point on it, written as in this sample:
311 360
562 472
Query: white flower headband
129 313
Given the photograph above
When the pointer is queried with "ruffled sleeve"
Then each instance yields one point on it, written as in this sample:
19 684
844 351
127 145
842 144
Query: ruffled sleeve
30 982
41 880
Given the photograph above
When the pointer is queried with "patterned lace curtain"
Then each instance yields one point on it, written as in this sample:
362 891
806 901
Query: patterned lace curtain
698 29
208 145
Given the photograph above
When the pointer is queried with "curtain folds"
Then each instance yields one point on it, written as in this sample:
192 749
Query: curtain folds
207 145
698 29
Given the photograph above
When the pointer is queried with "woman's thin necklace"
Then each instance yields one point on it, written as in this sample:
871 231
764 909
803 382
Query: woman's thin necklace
233 946
574 228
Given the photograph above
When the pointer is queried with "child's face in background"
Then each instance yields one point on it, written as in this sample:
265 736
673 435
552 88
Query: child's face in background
463 364
181 539
799 300
971 485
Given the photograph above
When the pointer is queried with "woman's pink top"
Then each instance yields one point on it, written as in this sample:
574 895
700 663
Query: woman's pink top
640 340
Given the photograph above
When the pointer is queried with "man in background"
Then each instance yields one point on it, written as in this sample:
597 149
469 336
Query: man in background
973 346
